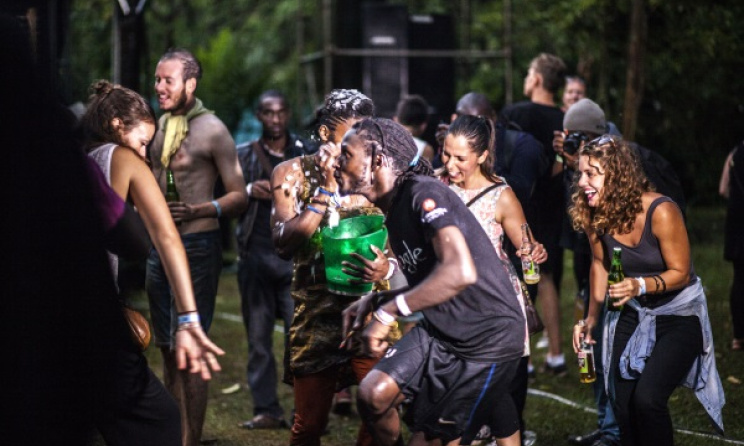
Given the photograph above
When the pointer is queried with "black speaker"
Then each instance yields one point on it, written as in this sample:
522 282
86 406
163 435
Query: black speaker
385 79
432 78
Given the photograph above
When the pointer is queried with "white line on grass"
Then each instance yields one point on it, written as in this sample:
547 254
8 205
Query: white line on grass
575 405
535 392
238 318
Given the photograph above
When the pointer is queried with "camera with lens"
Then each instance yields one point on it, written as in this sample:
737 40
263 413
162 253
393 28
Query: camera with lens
573 141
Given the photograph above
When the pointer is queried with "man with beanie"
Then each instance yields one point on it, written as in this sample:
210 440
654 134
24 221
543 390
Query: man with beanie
585 121
196 146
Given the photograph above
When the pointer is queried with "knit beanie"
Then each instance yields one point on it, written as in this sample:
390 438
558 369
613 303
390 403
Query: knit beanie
585 116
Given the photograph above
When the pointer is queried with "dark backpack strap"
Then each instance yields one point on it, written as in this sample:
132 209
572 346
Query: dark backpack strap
262 158
482 193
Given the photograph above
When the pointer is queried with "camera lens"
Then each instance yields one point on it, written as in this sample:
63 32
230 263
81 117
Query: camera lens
572 142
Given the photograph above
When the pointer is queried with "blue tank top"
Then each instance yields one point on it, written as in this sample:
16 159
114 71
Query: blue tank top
645 258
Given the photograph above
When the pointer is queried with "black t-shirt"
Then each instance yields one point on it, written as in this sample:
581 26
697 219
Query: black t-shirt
538 120
548 209
484 322
262 226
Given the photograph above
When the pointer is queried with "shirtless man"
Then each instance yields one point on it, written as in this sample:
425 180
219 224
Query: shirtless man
197 147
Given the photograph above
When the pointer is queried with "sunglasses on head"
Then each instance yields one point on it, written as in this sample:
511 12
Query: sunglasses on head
602 140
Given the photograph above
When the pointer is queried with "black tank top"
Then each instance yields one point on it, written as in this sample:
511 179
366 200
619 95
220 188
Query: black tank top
645 258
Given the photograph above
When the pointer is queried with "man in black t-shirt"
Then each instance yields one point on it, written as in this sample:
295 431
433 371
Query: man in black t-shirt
541 117
461 358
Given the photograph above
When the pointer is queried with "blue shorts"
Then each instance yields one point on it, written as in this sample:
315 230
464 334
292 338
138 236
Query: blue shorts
204 252
448 397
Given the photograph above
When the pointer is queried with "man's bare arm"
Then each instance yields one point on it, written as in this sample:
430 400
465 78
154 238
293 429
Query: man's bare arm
454 272
225 158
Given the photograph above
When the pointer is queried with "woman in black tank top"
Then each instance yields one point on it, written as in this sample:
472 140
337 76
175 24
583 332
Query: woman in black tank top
663 301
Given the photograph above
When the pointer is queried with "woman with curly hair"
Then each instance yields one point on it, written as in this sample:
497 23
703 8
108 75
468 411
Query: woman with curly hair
662 336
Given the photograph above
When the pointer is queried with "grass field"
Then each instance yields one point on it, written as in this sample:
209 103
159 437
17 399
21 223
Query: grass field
552 420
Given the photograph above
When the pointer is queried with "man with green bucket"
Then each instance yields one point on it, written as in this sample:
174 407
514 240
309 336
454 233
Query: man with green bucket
460 359
304 202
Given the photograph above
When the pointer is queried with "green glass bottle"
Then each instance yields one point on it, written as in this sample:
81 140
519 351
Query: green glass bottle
616 276
171 193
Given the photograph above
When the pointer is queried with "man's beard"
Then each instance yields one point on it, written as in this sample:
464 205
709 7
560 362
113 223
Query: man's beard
179 102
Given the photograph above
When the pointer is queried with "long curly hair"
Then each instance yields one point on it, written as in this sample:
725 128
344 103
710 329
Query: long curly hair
106 102
387 137
620 198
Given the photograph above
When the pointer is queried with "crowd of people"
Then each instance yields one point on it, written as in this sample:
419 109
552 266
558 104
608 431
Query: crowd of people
456 242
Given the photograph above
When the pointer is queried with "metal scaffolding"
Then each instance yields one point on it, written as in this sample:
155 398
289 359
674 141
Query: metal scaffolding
329 54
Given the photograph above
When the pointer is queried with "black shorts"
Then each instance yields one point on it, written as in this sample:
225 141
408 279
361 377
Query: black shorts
449 397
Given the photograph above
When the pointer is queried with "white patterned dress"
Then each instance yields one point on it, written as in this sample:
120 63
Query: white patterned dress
484 211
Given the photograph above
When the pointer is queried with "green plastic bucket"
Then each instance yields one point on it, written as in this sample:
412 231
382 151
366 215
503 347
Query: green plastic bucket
354 234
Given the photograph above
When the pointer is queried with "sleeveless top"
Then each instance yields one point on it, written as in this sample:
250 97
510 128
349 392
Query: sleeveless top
645 258
484 211
315 333
102 156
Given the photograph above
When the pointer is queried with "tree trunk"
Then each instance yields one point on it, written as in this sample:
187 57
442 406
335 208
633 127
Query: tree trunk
635 78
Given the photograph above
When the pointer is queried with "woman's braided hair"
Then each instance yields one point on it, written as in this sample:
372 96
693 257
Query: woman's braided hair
387 137
341 105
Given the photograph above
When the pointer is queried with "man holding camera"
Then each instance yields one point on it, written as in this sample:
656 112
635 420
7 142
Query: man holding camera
583 122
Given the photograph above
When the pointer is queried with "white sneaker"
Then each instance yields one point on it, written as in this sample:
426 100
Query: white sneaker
542 343
529 439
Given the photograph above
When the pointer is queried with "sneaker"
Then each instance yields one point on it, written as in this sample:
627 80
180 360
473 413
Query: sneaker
264 422
529 438
555 370
542 343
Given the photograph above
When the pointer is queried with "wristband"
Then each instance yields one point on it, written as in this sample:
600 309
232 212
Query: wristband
392 263
641 286
314 209
384 317
400 302
188 318
325 192
218 207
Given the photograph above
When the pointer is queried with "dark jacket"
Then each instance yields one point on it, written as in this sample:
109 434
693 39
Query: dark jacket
252 171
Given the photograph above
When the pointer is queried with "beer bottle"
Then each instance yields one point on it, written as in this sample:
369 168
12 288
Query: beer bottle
616 276
587 372
530 269
171 193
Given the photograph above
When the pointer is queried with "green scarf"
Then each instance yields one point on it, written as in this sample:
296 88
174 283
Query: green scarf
176 128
